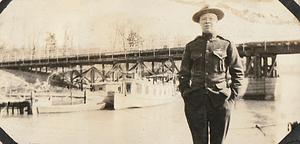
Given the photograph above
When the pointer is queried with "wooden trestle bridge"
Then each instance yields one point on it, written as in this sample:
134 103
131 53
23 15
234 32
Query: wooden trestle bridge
85 69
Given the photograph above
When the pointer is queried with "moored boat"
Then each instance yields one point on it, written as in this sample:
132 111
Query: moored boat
137 92
68 102
68 108
55 102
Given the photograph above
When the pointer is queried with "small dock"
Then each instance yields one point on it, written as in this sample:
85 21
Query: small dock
14 104
16 107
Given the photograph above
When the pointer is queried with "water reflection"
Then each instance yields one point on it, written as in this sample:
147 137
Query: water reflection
271 116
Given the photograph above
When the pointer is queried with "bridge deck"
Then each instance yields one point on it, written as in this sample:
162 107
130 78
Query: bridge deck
153 55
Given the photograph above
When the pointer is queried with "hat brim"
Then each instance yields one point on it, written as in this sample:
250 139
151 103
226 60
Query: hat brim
218 12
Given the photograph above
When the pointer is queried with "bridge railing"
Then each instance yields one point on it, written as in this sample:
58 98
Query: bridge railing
15 55
27 55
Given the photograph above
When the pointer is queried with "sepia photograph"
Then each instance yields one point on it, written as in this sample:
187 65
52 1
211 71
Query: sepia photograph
149 71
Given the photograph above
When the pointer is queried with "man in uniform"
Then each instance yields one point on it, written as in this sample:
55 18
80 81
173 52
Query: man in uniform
210 77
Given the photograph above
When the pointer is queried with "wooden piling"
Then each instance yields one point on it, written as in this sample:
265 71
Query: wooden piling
84 97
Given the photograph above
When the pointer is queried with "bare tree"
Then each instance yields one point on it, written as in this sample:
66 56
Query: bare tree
50 44
119 35
126 35
68 42
33 50
134 39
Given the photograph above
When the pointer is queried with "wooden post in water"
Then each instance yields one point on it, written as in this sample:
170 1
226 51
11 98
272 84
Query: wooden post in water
31 98
29 109
84 98
71 96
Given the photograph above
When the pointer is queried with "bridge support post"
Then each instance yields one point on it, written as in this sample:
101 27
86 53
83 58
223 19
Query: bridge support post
152 66
113 73
273 67
92 75
71 77
81 78
140 69
265 66
163 66
63 72
103 72
127 66
262 77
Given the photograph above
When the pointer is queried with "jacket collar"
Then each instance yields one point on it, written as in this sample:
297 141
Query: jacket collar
209 36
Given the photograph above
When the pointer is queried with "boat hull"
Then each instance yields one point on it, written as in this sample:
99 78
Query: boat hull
122 102
145 94
134 93
68 108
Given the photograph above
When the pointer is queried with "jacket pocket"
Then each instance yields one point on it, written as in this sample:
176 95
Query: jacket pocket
219 58
197 61
196 55
223 88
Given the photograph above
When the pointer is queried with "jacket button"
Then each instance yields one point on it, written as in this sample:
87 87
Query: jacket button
206 61
206 73
207 51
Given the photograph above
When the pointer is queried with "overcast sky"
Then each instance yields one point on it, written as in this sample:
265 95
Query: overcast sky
92 23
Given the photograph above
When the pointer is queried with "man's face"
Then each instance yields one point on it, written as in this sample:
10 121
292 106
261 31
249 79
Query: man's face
208 22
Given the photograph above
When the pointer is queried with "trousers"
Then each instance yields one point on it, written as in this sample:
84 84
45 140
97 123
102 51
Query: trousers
207 122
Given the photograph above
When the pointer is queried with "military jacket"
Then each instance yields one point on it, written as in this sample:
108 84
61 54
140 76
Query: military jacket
213 64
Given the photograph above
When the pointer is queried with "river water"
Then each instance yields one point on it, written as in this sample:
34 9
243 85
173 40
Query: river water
164 124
